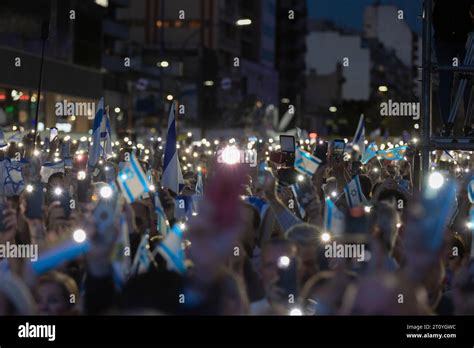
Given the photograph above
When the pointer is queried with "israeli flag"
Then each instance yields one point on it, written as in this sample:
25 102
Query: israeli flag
11 177
143 257
305 163
3 142
162 224
172 175
199 184
101 136
334 219
132 180
394 154
358 143
295 188
50 168
121 261
470 190
172 251
369 153
354 194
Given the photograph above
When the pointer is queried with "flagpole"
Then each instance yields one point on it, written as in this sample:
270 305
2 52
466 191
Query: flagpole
44 37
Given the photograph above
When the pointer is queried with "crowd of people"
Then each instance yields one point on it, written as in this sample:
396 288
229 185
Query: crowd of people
252 240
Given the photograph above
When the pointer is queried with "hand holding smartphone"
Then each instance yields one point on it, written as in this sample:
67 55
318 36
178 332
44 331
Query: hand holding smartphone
34 200
287 276
336 150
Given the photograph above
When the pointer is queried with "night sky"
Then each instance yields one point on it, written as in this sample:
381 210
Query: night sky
349 13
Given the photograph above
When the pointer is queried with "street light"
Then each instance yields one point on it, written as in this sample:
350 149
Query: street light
383 89
243 22
332 109
208 83
169 97
163 64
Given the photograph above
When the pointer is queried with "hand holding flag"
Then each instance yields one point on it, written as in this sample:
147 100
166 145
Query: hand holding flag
132 180
172 175
305 163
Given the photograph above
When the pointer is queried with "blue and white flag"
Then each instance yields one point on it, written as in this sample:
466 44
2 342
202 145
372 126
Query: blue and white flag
132 180
369 153
121 260
162 224
295 188
143 257
172 175
354 194
305 163
3 141
394 154
333 219
11 177
358 143
470 190
101 136
172 251
50 168
199 184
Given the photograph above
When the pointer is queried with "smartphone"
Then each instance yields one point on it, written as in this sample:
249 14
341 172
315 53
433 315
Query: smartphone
287 276
64 200
83 190
287 143
337 149
287 176
66 149
34 202
110 173
321 151
104 214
